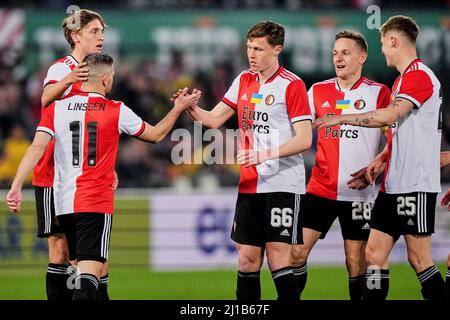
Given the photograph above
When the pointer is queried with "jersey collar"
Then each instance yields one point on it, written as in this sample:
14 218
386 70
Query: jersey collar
272 77
353 87
71 57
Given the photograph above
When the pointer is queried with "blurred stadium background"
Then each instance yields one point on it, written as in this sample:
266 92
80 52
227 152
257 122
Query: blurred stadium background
171 225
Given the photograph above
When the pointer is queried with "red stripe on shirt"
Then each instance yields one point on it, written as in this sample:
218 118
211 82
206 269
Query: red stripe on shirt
94 192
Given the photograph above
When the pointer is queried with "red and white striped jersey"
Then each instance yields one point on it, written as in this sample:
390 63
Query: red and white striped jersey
344 149
43 172
86 129
414 142
266 114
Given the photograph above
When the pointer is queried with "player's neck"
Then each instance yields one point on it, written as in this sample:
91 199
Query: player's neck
405 61
93 87
78 54
348 82
268 73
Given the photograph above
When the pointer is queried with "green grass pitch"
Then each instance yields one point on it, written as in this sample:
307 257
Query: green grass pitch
23 277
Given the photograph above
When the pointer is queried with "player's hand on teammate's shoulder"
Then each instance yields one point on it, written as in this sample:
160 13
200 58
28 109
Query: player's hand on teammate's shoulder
184 100
359 180
14 199
79 73
327 121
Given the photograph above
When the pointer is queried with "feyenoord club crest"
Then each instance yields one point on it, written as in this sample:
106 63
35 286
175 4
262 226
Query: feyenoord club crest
270 99
359 104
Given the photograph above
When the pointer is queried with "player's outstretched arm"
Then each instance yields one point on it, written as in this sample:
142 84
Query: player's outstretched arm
29 161
396 110
208 119
155 134
298 143
55 90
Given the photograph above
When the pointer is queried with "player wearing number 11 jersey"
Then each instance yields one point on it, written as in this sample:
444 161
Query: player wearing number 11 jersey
86 129
83 30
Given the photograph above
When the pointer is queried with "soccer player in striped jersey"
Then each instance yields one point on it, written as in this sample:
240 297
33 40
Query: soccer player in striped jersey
275 122
83 30
86 127
341 150
406 202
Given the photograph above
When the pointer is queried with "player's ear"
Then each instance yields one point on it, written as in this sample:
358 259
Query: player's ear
278 49
74 36
105 80
394 41
363 57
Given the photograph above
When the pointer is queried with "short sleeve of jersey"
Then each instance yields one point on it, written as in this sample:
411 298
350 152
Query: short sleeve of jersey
129 122
56 72
231 96
416 87
297 102
311 102
47 120
384 97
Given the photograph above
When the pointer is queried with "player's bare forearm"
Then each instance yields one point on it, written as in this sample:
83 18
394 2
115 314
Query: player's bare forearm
292 147
211 119
200 115
54 91
373 119
29 161
155 134
298 143
383 154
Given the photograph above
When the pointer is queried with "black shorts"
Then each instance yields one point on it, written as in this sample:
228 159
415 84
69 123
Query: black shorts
67 223
267 217
45 213
88 234
404 213
319 214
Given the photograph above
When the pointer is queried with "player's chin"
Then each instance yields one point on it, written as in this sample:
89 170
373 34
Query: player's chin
254 68
341 73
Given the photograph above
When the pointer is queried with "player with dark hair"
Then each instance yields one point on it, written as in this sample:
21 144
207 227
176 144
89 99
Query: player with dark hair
275 123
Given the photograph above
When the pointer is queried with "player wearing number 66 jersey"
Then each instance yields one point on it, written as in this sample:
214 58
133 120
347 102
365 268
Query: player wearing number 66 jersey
341 150
406 202
86 129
